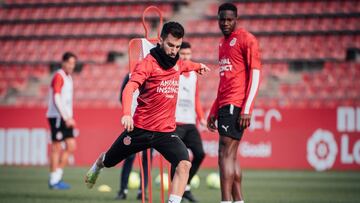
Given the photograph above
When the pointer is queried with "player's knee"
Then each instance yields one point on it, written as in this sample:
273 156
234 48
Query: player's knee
183 167
56 147
71 148
238 176
223 154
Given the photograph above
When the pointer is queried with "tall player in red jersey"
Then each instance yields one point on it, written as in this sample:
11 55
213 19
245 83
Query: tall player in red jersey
153 124
239 69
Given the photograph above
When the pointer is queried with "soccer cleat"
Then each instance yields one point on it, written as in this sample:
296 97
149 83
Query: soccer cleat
189 196
121 196
94 171
139 196
61 185
91 176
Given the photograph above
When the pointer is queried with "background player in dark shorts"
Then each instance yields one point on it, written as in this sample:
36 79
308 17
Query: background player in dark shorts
188 110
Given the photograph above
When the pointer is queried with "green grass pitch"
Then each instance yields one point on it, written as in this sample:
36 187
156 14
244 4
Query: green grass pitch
29 185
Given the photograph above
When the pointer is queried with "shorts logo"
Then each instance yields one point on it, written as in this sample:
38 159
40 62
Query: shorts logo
59 136
321 150
225 127
233 42
127 140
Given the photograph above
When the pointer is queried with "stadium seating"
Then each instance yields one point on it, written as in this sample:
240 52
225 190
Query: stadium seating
78 12
293 7
35 33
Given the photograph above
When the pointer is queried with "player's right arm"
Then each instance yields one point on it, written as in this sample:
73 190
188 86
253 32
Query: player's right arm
213 116
141 73
125 81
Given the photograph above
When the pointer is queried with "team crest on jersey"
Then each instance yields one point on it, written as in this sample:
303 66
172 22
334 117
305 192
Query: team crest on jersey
233 42
127 140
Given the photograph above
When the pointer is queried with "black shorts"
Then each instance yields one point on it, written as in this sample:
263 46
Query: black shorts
168 144
228 122
59 131
190 135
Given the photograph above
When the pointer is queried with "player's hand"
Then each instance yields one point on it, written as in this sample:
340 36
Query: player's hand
70 122
128 123
203 122
244 120
203 69
211 123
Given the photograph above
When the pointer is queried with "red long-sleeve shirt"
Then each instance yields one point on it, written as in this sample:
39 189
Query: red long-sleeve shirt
239 70
158 94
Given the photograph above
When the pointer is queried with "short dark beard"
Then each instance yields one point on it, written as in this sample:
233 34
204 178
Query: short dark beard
165 61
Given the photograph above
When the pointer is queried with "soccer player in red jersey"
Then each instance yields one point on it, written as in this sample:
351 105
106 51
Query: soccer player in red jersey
153 124
239 70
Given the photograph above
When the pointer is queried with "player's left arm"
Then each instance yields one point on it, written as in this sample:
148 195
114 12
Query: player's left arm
198 106
187 66
254 64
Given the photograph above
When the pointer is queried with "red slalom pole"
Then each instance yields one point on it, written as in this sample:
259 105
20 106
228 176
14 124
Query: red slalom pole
142 178
169 178
148 154
161 179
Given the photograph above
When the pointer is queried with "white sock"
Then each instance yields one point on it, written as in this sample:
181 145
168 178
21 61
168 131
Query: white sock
95 167
187 188
54 177
241 201
59 172
225 202
174 199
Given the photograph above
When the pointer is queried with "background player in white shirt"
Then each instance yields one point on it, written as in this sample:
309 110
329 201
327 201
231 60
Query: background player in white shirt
188 109
60 117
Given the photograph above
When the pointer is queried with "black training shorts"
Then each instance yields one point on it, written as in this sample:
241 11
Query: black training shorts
59 130
228 122
168 144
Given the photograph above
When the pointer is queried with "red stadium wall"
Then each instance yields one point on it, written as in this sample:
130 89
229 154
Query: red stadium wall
318 139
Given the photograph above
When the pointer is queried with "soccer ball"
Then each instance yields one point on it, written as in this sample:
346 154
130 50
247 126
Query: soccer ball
195 182
104 188
165 181
134 180
213 181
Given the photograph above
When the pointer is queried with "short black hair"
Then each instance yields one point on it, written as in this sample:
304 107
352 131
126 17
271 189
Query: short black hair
67 55
185 45
228 7
173 28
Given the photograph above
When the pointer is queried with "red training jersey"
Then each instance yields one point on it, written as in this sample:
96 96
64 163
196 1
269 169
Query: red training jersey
239 54
158 94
